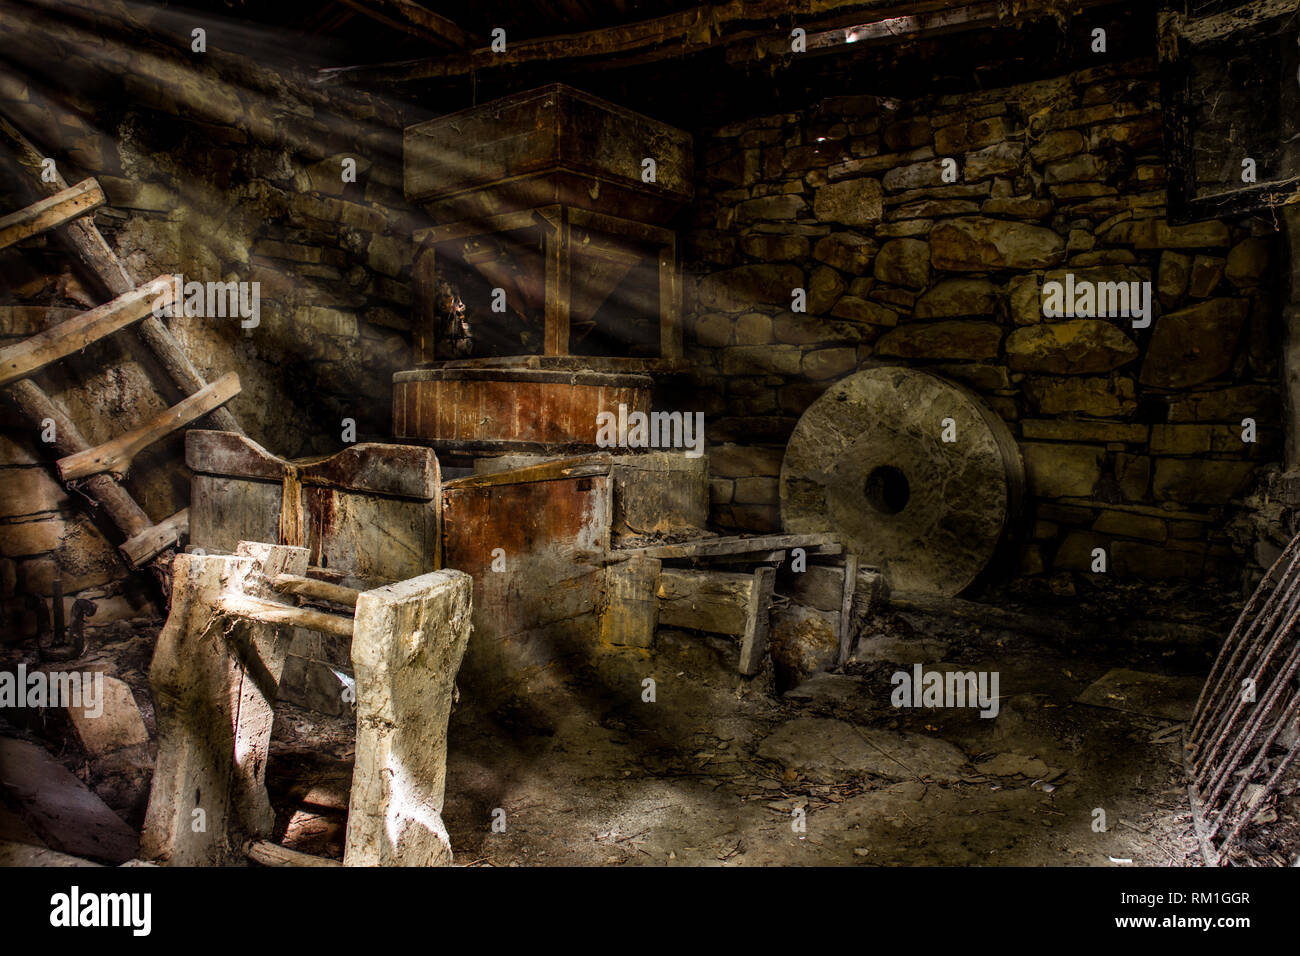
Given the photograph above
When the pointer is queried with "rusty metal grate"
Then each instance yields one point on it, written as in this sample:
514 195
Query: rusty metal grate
1234 757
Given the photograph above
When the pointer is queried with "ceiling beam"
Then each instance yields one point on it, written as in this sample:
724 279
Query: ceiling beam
410 17
704 27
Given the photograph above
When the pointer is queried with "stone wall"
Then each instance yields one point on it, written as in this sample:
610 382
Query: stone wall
224 171
1132 438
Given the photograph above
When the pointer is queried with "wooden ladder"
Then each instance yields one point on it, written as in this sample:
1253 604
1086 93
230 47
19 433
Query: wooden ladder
97 471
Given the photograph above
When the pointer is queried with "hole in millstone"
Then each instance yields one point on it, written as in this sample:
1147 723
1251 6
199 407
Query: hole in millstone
887 490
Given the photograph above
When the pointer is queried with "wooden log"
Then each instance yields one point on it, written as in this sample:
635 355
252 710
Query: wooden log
317 589
115 456
52 211
165 534
758 617
630 611
407 648
32 354
87 243
117 503
269 612
272 854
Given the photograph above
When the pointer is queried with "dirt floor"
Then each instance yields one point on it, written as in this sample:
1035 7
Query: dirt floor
715 771
722 770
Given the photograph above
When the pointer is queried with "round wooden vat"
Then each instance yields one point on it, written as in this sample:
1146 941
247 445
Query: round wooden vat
511 409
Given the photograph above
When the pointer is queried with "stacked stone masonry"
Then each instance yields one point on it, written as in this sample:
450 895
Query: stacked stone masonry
1132 437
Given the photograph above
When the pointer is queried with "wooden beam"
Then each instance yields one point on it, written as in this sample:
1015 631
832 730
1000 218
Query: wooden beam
50 212
701 28
165 534
582 467
115 456
821 544
913 25
417 20
36 407
714 601
317 589
85 241
269 612
33 354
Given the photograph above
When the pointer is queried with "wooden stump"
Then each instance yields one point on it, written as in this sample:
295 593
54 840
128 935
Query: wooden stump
214 684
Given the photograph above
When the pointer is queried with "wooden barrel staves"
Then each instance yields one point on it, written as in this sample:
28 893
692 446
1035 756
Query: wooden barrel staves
914 473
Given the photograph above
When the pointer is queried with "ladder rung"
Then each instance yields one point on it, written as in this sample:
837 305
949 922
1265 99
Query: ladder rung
52 211
33 354
114 456
153 540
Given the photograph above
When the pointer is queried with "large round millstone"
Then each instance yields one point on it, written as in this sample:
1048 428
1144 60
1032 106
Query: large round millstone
868 461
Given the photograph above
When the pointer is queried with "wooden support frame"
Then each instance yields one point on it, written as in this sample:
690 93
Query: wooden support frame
559 223
214 684
116 455
51 212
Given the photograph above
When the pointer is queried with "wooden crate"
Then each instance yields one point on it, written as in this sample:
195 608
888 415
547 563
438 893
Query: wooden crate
553 144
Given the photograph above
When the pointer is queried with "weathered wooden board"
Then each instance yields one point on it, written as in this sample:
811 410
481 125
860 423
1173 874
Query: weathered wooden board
758 618
62 810
51 211
511 409
408 645
739 546
548 539
630 610
143 546
74 334
551 144
370 511
715 601
115 456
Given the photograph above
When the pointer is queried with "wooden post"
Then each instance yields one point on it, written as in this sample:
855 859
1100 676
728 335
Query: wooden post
758 619
407 647
1291 339
670 303
558 282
